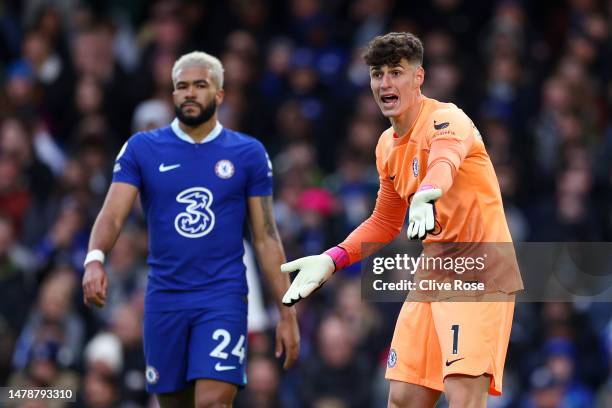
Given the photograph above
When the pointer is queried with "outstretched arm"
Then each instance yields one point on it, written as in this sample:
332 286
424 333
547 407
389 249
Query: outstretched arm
270 255
106 229
379 229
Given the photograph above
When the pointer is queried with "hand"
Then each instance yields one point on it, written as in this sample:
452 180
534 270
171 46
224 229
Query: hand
288 339
422 215
314 271
94 284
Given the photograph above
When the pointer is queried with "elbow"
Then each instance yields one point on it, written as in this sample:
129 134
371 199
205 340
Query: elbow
107 219
393 229
262 245
390 225
258 244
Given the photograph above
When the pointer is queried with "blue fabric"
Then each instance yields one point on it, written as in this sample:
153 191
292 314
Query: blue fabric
194 197
183 346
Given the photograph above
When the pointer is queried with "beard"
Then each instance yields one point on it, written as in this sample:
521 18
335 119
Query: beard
206 112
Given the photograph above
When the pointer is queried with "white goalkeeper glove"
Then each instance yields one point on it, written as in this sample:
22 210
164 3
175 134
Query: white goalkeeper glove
314 271
422 215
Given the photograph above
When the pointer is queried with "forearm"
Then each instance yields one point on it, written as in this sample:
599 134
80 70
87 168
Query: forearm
106 229
271 256
105 232
445 157
369 237
381 227
268 248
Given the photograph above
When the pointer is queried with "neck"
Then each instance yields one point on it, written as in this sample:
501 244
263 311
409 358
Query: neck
198 133
404 122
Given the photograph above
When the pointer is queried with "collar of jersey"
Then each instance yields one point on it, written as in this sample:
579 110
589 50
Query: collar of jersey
406 137
182 135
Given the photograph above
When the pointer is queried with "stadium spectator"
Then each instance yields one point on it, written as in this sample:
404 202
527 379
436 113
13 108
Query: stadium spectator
77 77
338 372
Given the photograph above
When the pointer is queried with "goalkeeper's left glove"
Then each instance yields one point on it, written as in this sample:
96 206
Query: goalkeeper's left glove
314 271
422 215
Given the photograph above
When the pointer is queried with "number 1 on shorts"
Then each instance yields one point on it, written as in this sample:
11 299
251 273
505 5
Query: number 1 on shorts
455 330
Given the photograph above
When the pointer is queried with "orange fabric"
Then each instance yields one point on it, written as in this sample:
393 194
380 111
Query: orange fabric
381 227
444 149
424 350
445 157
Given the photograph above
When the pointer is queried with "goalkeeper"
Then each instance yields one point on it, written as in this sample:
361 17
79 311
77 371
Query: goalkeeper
432 159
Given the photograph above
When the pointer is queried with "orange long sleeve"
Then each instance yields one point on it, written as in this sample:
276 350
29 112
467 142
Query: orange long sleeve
445 157
381 227
397 162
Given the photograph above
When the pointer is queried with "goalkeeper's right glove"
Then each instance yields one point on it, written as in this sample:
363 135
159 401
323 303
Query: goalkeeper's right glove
313 272
422 213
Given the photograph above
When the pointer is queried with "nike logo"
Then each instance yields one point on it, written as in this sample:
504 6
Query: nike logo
163 168
453 361
439 126
220 367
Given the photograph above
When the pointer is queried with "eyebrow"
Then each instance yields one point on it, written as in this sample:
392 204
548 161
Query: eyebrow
379 67
196 82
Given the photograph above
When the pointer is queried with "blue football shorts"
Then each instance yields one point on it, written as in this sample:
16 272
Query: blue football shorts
186 345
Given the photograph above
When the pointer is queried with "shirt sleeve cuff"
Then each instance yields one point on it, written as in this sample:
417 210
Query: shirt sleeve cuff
339 256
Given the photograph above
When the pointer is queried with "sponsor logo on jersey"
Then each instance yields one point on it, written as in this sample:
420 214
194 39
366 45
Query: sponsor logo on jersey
439 126
444 132
224 169
415 167
164 168
117 168
198 218
220 367
448 363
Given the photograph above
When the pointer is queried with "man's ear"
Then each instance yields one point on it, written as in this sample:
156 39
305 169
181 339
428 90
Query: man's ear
219 95
419 75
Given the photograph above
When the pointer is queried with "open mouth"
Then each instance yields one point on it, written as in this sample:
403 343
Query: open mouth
389 99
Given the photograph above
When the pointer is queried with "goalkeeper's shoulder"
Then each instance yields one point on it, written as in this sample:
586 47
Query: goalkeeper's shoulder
451 113
385 143
386 137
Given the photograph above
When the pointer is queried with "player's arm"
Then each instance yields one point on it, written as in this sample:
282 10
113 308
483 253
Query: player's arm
106 229
378 230
270 255
446 154
448 148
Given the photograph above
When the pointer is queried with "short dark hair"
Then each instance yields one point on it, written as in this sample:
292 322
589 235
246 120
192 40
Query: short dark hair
389 49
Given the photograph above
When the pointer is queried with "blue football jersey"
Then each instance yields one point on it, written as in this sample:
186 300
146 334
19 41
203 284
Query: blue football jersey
194 196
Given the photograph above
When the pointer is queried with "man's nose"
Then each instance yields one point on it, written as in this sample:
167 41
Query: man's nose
190 92
386 81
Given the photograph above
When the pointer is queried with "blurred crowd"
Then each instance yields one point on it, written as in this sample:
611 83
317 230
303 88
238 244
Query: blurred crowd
78 77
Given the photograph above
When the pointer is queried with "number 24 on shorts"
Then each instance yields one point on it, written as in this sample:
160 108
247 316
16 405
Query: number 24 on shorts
226 338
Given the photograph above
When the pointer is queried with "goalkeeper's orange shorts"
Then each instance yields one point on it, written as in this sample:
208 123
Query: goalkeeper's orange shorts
437 339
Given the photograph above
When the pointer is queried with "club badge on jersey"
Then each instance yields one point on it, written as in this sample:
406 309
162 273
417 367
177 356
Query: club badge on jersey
224 169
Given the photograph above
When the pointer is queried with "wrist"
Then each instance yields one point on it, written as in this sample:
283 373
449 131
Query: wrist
93 256
339 256
287 312
427 186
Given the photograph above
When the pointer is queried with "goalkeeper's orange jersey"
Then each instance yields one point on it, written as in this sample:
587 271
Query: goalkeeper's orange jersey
444 149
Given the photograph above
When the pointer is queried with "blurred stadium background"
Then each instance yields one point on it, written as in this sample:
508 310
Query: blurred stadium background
78 77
